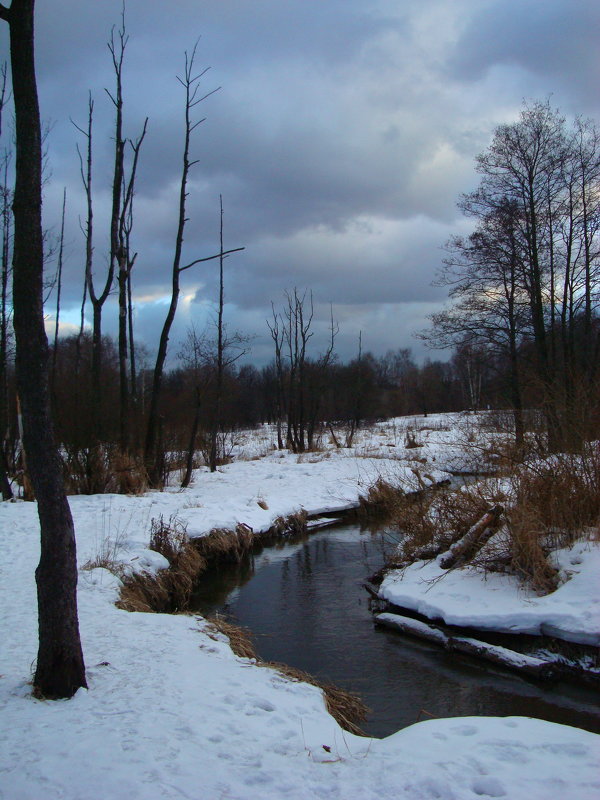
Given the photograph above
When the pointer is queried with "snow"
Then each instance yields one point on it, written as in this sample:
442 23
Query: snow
497 602
170 712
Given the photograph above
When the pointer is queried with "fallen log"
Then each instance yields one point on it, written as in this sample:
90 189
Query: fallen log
511 659
469 545
412 626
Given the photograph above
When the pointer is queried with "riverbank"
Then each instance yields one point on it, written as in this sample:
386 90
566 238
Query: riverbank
171 712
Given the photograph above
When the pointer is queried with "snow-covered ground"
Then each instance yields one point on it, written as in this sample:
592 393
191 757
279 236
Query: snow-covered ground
171 713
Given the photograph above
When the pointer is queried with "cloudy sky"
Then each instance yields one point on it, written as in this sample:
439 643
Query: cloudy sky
341 137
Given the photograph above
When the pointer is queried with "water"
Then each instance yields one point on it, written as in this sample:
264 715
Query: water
305 605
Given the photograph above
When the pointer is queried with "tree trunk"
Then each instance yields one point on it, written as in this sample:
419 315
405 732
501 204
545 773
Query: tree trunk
189 468
60 668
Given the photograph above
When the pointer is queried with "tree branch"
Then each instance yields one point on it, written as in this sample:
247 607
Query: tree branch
210 258
4 13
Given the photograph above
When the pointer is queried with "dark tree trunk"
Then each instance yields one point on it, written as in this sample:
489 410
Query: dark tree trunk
60 669
217 422
189 467
123 273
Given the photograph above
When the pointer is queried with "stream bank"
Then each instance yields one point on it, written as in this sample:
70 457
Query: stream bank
304 603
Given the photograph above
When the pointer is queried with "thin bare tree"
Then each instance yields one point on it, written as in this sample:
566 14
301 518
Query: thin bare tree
191 85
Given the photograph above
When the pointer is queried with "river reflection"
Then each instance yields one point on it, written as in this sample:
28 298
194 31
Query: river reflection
305 605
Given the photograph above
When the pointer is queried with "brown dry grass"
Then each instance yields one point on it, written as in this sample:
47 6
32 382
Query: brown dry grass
556 502
292 524
528 557
167 591
222 544
382 499
130 476
240 639
411 441
101 469
430 522
347 708
170 589
552 503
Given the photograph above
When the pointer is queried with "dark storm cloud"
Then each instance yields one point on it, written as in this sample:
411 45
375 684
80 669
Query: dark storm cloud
341 138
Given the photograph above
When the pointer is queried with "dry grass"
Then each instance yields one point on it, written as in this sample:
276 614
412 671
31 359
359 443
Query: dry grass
167 591
552 503
240 640
222 544
168 539
347 708
109 544
556 502
129 472
528 557
170 589
293 524
101 469
382 499
564 491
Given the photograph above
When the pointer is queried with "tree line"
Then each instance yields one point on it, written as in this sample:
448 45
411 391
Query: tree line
524 284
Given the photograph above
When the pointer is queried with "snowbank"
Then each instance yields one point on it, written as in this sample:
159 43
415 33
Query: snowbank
495 602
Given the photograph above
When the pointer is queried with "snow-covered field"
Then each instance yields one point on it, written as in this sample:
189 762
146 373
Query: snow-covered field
171 713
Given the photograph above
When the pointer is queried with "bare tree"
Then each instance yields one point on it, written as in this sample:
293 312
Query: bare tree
126 260
277 335
191 85
229 350
489 304
300 379
528 273
122 192
60 669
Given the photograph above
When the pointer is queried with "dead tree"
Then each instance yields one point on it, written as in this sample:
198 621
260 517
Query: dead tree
60 669
125 261
277 334
191 85
229 350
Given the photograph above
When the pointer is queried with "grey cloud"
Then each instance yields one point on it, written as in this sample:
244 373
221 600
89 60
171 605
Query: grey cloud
341 139
555 39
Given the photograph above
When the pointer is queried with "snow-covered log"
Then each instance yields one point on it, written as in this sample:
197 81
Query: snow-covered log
511 659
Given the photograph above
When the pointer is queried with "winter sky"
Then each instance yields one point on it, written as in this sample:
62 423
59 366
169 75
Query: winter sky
343 133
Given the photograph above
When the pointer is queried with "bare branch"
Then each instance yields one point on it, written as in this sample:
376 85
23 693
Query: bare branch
210 258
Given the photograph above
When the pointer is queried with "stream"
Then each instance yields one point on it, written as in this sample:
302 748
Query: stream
305 605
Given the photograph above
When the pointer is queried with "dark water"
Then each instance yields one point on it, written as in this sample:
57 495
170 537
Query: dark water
305 604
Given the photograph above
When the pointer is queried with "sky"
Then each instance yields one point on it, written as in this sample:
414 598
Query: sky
341 136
